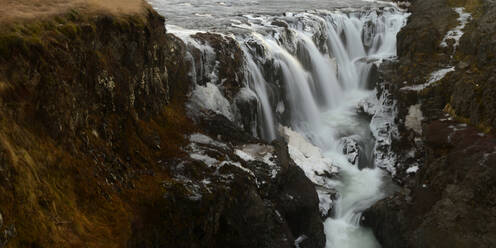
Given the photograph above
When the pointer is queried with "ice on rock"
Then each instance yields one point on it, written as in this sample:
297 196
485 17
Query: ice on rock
243 155
454 34
316 167
193 189
204 158
351 149
300 240
205 140
457 32
434 77
413 169
209 97
238 165
307 156
202 145
246 94
383 126
261 153
322 63
439 74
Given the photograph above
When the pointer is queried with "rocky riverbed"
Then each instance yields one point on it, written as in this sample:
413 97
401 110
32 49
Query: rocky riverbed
99 148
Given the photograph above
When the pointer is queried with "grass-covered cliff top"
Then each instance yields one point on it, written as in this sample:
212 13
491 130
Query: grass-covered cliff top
31 24
15 10
89 69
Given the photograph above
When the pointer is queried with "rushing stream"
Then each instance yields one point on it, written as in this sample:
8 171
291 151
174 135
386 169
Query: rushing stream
310 71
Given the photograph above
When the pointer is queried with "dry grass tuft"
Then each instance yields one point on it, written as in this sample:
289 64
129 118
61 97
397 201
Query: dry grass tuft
13 10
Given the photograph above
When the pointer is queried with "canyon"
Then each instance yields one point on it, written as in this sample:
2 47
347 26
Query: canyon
343 124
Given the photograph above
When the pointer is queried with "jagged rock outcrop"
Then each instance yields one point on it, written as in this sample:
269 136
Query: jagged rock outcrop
96 149
81 95
446 168
234 190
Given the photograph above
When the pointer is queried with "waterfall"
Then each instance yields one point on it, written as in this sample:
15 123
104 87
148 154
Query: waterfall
256 81
309 72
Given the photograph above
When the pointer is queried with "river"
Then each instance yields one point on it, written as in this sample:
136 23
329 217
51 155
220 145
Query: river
308 64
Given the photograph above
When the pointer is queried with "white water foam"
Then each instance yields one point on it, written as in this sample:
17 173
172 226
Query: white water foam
321 61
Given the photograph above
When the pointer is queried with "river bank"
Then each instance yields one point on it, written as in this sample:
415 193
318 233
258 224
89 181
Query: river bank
447 145
119 131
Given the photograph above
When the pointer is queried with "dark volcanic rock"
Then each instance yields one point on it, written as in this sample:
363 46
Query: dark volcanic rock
95 145
291 194
449 202
222 128
229 57
452 202
423 32
298 202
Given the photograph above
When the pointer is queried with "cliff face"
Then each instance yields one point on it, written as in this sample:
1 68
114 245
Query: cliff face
449 202
96 149
81 96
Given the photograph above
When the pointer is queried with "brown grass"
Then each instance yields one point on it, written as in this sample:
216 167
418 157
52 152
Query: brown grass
12 10
54 198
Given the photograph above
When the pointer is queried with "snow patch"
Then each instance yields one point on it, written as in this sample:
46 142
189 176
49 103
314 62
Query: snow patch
413 169
413 120
311 160
457 33
238 165
261 153
433 78
204 158
243 155
439 74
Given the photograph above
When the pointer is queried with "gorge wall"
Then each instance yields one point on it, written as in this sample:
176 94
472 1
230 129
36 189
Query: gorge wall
96 148
447 145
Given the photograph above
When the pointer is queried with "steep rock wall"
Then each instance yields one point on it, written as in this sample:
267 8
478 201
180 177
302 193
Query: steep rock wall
96 149
447 167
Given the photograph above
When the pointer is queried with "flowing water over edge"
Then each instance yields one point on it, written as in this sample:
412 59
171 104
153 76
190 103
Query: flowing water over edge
312 75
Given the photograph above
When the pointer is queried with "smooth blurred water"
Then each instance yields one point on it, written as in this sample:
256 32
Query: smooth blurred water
322 60
218 14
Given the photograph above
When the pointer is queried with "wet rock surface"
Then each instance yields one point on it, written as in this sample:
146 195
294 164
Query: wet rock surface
452 194
447 171
232 198
96 146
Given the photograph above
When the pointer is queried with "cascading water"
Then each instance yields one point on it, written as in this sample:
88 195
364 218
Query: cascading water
257 82
322 61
